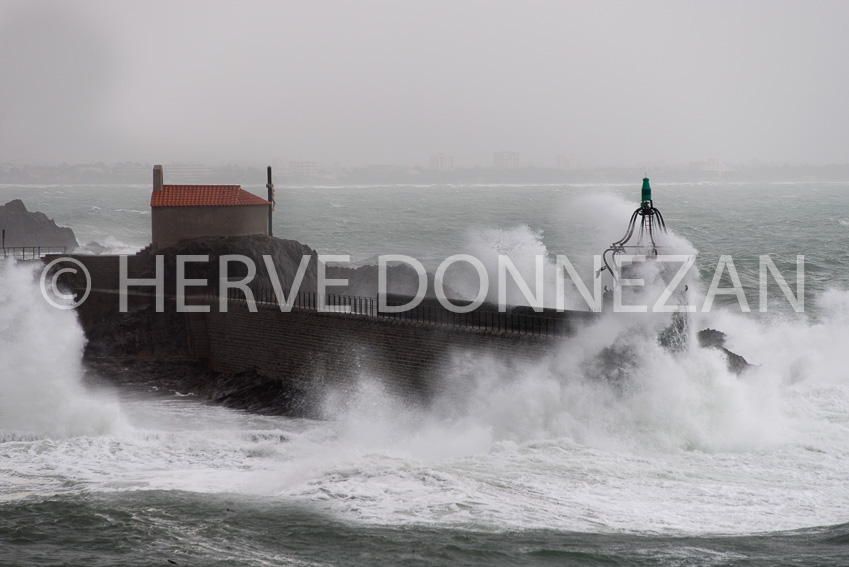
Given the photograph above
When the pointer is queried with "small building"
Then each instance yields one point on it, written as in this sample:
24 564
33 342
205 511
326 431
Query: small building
567 162
442 162
178 212
505 160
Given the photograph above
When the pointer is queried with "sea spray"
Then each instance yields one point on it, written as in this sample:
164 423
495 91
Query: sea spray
109 245
526 246
40 363
617 385
659 441
647 440
612 387
441 484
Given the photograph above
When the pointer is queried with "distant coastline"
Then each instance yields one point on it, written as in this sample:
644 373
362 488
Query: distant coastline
137 172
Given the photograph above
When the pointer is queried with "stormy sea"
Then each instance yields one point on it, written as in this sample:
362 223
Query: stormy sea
677 461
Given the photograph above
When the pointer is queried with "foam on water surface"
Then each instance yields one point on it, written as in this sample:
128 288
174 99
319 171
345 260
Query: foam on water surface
653 442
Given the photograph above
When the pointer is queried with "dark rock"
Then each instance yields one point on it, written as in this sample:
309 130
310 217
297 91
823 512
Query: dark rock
250 391
674 337
138 332
246 390
24 228
616 363
736 363
286 257
711 338
95 247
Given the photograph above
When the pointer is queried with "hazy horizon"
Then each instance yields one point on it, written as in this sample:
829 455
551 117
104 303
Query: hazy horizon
614 83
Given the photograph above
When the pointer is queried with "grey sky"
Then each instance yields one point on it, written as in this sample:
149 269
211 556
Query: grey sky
633 83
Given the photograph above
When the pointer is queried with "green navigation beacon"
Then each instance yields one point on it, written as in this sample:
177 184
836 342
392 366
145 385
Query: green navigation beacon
646 200
650 222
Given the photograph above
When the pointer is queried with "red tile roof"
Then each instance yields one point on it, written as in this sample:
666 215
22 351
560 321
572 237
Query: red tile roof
204 196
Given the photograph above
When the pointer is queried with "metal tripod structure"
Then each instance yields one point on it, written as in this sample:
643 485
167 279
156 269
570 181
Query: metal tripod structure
650 221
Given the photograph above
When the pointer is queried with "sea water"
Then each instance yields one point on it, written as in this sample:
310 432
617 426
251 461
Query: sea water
673 460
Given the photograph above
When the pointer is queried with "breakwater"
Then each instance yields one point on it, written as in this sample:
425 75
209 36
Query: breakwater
306 348
311 347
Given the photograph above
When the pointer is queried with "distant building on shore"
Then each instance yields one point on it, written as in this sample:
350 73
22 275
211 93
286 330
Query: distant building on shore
178 212
712 165
303 168
130 169
505 160
442 162
189 172
567 162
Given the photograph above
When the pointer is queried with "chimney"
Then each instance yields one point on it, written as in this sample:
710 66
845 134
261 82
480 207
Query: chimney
157 178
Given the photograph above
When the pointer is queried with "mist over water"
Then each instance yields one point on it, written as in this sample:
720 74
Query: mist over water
41 366
610 433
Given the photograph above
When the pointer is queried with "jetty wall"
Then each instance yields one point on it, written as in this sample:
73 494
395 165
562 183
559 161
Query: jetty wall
307 348
317 348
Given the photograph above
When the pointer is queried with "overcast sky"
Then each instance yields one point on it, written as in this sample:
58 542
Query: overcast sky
369 82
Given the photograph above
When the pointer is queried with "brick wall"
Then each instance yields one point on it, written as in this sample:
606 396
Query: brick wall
306 348
315 349
172 224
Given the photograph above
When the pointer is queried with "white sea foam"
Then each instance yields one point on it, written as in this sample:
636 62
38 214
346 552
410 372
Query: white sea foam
610 432
523 245
680 446
40 367
110 245
675 443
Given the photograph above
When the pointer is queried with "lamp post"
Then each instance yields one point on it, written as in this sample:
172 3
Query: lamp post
270 187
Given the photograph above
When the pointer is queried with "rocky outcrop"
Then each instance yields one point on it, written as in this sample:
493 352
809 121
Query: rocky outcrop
246 390
25 228
286 255
711 338
112 333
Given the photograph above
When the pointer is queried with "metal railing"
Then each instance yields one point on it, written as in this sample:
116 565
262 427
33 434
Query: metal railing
30 252
518 320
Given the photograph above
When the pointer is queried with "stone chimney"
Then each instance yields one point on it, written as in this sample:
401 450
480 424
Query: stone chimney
157 178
